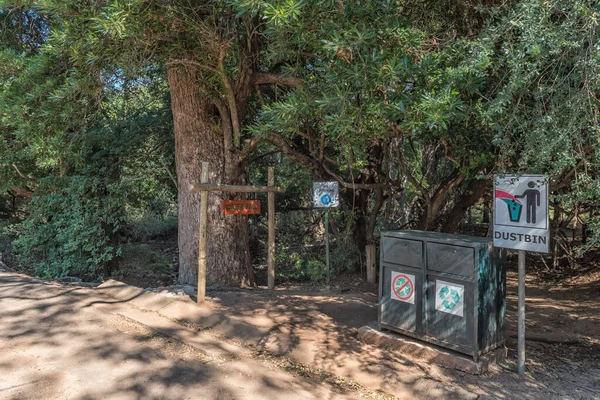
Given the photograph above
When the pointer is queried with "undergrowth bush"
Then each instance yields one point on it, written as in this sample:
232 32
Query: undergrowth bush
306 260
71 228
147 226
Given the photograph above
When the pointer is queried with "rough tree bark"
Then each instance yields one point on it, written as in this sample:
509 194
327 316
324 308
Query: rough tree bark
472 196
435 202
198 138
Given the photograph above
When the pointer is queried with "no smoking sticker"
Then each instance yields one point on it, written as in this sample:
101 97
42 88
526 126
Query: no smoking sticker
403 287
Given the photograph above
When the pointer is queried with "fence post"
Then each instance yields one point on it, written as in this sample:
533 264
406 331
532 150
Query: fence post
371 263
202 237
271 217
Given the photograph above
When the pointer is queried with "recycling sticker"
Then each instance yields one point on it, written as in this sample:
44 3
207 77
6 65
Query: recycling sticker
403 287
449 297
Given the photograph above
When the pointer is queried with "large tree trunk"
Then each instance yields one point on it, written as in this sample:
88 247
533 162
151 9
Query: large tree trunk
198 138
361 199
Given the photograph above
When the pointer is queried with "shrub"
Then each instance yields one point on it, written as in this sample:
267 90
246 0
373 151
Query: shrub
71 228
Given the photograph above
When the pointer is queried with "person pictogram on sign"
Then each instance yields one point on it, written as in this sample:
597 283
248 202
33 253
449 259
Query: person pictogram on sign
533 200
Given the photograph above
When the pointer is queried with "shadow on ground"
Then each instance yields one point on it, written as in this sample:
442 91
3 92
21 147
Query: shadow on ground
54 345
320 330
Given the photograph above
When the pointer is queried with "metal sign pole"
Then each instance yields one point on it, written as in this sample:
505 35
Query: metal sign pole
327 246
521 222
326 195
521 311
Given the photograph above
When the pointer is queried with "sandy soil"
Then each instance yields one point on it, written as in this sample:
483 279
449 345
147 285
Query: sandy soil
567 314
60 343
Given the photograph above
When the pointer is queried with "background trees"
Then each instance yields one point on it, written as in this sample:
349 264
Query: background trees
411 112
543 104
79 146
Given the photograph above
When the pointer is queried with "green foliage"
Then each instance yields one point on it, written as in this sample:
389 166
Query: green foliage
86 146
542 98
543 84
7 233
149 225
377 95
307 262
518 94
69 227
361 62
396 103
143 257
75 219
305 259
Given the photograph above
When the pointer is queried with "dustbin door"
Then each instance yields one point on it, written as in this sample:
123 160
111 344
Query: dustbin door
401 302
450 311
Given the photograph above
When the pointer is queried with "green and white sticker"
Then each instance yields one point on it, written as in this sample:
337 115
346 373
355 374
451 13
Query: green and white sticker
449 297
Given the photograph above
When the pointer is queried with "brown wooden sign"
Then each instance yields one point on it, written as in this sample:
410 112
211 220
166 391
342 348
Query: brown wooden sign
243 207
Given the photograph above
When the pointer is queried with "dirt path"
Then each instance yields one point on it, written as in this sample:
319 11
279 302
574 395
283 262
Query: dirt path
58 346
319 328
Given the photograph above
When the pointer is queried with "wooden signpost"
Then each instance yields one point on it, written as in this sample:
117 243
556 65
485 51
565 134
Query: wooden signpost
232 207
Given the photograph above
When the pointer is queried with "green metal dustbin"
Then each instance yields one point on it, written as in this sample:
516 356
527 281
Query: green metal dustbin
449 290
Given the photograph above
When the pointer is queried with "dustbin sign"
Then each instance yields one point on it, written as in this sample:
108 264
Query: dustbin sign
521 212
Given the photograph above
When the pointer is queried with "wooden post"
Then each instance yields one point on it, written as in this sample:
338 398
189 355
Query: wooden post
371 263
204 188
202 247
212 187
271 217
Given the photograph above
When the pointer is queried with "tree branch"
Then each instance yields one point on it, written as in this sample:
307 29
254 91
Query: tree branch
319 169
226 128
410 176
267 154
24 192
171 176
566 176
191 62
449 183
474 192
252 145
20 174
230 95
260 78
302 159
356 186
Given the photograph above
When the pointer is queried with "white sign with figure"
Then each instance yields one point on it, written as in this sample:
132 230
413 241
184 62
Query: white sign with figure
325 194
521 212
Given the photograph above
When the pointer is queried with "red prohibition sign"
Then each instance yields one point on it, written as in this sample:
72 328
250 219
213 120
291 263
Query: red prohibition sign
408 282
